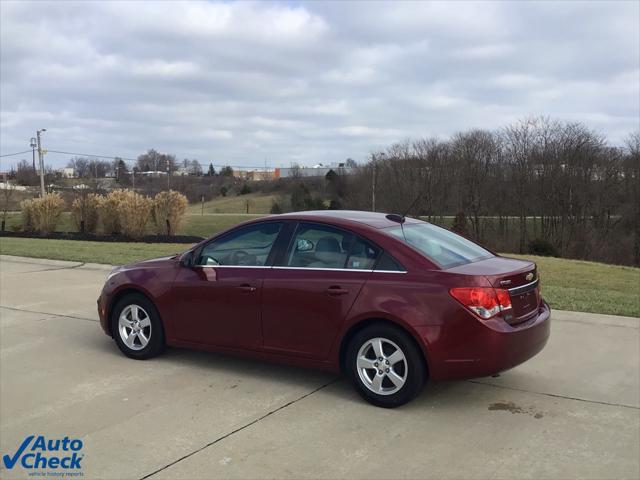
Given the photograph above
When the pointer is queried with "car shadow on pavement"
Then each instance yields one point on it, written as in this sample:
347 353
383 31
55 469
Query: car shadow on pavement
442 394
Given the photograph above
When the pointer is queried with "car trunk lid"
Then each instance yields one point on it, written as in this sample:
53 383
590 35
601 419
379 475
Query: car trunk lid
518 277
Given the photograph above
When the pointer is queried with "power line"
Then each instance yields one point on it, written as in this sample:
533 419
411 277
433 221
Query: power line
93 155
13 154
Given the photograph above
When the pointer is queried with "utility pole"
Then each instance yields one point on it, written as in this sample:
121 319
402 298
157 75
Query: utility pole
168 177
41 158
373 187
33 146
133 178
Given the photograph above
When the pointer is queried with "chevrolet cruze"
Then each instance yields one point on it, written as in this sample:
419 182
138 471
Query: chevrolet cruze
388 300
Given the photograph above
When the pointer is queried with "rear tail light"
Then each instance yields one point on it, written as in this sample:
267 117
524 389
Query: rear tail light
485 302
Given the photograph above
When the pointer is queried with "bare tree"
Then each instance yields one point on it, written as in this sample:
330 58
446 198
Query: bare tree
535 184
25 174
153 160
8 191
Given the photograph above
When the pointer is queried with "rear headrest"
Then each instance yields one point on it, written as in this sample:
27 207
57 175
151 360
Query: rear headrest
328 244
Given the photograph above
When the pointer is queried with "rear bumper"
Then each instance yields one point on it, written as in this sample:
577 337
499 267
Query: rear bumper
488 347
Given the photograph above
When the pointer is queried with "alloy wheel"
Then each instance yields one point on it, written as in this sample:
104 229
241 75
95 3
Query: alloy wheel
134 326
382 366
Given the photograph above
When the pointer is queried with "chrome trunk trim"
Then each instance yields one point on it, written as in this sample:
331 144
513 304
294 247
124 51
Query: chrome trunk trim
523 288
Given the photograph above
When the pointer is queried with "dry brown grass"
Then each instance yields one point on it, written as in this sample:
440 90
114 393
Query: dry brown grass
26 209
42 214
108 208
168 212
85 209
134 211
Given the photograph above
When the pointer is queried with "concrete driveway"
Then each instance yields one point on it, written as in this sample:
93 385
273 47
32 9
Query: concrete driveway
572 411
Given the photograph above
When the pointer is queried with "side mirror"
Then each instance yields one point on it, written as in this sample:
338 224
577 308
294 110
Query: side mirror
304 245
187 259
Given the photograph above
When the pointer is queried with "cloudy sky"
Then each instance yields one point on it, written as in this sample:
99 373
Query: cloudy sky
281 82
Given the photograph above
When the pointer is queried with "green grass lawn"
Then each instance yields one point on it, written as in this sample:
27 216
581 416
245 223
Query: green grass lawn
258 204
566 284
110 253
588 286
207 225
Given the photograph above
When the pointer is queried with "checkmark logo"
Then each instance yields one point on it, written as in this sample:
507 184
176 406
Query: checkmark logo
10 462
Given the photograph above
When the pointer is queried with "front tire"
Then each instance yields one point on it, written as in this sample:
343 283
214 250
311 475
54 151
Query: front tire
385 365
136 327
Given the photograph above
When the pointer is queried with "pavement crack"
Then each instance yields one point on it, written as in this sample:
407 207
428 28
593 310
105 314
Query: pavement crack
227 435
71 267
554 395
49 313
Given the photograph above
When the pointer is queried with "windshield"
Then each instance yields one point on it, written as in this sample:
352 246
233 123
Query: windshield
444 248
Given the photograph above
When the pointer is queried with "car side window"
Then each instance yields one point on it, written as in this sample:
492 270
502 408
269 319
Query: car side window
318 246
322 246
388 264
363 255
248 246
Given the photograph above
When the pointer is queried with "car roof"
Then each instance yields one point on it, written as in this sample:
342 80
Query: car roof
371 219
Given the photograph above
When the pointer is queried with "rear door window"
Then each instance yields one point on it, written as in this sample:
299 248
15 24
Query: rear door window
318 246
323 246
362 255
388 264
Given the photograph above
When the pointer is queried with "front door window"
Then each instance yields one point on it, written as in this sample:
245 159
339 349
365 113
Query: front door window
247 247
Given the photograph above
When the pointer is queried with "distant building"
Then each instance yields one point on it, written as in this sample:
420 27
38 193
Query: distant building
319 170
66 172
255 175
10 186
152 173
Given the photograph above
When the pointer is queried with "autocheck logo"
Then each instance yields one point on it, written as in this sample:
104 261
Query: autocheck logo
38 452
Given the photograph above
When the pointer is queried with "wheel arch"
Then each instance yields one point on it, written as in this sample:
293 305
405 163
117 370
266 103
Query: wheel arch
119 295
366 322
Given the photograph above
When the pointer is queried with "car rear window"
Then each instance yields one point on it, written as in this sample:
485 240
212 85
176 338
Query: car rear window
444 248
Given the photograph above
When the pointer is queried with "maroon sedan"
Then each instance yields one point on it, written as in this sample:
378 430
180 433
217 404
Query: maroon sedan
390 301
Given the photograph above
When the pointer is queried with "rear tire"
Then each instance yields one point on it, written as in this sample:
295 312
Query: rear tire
136 327
385 365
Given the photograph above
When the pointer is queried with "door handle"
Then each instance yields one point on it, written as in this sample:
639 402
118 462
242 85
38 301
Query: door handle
336 290
246 288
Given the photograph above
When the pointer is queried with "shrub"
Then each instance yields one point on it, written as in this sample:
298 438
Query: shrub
46 212
26 208
542 247
460 224
276 208
245 189
108 208
169 206
133 212
335 204
85 209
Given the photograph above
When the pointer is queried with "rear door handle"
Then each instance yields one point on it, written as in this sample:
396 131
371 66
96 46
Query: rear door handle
336 290
246 288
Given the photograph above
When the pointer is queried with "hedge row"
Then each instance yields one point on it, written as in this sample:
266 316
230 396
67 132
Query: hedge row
120 212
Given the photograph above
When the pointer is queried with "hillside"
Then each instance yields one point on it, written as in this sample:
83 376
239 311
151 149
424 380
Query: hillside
258 204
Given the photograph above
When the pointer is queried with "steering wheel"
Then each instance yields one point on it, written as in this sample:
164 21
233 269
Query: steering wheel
240 257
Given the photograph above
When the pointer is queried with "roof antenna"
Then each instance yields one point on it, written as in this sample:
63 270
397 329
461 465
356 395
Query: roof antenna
394 217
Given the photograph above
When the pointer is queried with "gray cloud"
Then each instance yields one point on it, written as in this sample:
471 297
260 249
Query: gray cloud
242 83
